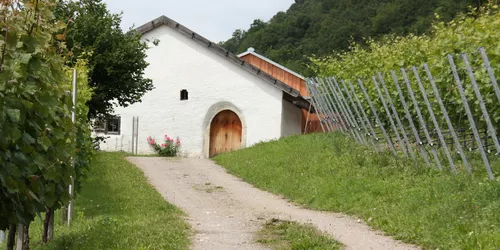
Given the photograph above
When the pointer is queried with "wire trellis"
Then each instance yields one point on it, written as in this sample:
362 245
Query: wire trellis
414 116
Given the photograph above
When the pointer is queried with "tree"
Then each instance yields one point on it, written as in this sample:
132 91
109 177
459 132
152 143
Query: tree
116 59
234 42
320 27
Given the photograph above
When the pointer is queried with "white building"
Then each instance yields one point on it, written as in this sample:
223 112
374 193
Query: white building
209 98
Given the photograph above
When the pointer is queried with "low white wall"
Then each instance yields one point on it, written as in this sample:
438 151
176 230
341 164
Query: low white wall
291 120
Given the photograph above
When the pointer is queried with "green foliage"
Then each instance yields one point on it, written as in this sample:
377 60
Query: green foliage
411 202
464 34
84 149
117 59
118 209
234 42
319 27
280 234
35 120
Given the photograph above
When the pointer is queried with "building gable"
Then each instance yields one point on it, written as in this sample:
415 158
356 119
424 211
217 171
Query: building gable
290 94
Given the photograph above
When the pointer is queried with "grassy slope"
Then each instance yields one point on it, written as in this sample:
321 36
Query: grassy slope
118 209
414 204
279 234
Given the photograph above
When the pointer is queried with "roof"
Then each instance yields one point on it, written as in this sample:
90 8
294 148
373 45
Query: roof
290 94
251 51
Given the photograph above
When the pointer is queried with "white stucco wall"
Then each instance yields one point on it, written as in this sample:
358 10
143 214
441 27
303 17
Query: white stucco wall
179 63
291 119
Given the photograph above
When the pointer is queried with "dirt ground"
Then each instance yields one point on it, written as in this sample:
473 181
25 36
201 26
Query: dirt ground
225 212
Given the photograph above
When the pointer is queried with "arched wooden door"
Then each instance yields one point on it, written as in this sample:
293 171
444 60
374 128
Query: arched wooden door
225 133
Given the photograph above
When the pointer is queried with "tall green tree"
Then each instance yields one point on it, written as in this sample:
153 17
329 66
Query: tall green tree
320 27
234 42
116 59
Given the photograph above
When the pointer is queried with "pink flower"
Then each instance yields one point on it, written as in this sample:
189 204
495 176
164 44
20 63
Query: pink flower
163 145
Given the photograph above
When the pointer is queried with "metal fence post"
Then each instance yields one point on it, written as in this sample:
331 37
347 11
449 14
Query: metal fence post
377 119
490 72
352 126
434 120
395 112
470 117
367 119
326 104
314 101
391 121
133 134
486 116
357 130
73 119
324 107
361 120
137 135
447 118
421 119
423 152
335 111
340 114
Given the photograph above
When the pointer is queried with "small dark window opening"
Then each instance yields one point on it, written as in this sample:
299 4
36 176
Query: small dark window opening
184 95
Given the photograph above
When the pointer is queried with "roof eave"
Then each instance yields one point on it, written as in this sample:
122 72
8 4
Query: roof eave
214 47
271 62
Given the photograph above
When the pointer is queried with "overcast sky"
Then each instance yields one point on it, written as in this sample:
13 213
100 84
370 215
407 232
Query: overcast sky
214 19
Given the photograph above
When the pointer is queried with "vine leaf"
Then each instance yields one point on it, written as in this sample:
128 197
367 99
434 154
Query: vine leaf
14 114
45 143
28 139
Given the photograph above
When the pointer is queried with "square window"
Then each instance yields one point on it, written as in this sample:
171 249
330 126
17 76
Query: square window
113 125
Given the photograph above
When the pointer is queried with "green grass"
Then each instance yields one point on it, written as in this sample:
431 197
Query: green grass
118 209
412 203
278 234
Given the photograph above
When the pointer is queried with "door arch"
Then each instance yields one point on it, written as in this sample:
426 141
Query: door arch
225 133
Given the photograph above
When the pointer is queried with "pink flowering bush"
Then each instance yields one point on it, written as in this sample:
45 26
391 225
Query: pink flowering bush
169 148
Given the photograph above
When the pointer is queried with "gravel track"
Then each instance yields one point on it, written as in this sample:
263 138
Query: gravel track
225 212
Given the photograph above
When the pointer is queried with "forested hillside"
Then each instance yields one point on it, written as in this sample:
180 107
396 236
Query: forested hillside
318 27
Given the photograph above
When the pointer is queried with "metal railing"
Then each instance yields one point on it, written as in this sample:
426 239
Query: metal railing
442 121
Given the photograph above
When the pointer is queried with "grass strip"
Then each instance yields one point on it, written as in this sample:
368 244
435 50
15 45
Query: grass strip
118 209
411 202
281 235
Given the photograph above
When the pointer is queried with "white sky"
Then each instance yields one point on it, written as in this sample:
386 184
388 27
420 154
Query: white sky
214 19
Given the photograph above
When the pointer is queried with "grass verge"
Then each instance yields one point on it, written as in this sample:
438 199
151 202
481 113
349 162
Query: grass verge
118 209
278 234
415 204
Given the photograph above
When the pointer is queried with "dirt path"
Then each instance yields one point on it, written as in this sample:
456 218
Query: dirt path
226 212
